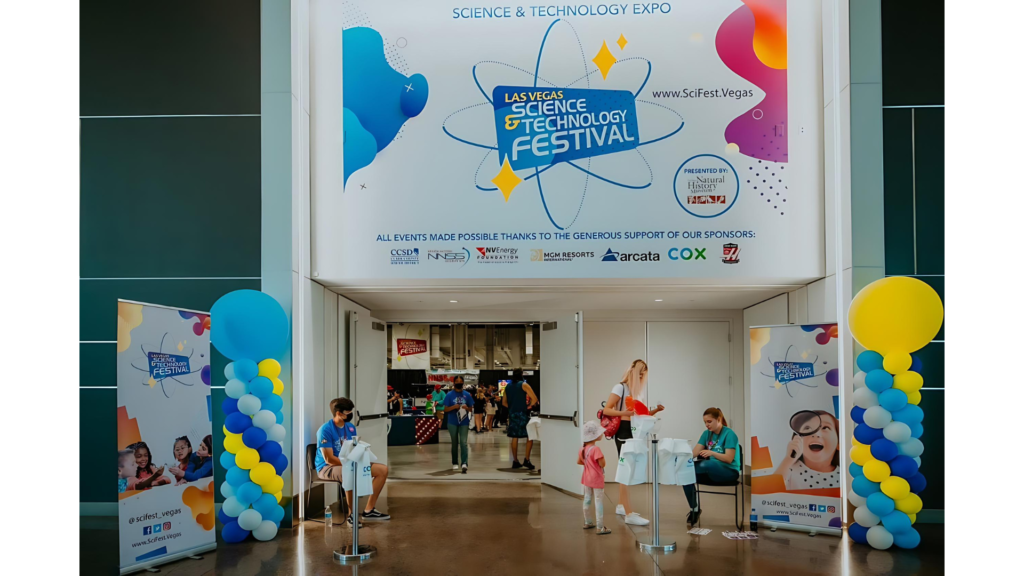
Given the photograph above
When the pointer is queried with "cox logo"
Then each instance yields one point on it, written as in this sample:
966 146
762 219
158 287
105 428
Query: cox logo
687 254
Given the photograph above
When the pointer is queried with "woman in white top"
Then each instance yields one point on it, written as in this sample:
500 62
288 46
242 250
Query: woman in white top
622 402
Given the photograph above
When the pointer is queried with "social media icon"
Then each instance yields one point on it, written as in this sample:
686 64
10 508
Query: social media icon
167 526
146 530
813 508
157 528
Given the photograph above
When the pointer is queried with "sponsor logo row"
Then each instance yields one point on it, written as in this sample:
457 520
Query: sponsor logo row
497 255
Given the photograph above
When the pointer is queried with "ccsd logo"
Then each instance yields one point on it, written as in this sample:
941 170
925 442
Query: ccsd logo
612 256
401 256
731 253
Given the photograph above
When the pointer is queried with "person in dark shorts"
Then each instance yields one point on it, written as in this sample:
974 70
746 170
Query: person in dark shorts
519 398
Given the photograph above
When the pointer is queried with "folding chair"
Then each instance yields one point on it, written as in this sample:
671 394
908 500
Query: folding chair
313 479
738 493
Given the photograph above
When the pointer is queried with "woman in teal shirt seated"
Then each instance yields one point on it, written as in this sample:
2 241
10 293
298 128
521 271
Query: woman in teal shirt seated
716 458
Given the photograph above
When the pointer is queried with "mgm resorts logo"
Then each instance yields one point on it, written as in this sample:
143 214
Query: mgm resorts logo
612 256
539 255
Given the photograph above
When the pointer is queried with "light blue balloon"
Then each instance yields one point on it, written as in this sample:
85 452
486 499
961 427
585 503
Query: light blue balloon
916 429
864 487
246 369
226 490
909 414
907 540
279 416
235 389
267 530
248 493
261 387
249 519
896 522
227 460
232 507
264 505
237 476
912 448
892 400
229 371
880 505
856 469
276 514
869 360
878 381
249 405
264 419
249 324
273 403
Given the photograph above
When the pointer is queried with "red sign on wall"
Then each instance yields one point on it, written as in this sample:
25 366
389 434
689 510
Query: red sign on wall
409 347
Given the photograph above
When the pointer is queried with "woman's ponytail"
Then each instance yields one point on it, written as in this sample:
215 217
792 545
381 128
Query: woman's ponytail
717 414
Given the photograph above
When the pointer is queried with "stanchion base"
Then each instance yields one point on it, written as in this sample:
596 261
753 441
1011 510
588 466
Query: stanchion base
346 555
668 548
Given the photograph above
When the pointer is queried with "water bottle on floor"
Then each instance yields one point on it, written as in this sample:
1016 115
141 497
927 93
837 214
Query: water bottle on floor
328 516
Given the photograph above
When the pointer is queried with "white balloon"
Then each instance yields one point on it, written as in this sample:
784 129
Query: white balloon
265 531
265 419
858 380
249 404
226 490
856 499
865 517
249 519
876 417
276 433
235 388
897 432
912 448
232 507
865 398
917 459
229 371
879 538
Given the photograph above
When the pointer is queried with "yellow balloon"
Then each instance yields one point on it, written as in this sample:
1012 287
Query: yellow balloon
273 486
895 314
908 382
860 455
262 472
233 443
270 368
226 432
876 470
278 386
895 487
910 505
855 442
914 397
896 362
246 458
913 518
278 496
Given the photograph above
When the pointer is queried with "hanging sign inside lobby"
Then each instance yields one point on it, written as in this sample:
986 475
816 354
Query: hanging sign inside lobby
410 346
587 140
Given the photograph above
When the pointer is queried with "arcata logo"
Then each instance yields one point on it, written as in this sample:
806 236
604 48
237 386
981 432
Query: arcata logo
403 256
687 253
611 256
731 253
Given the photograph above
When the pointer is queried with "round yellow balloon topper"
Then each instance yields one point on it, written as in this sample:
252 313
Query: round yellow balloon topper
270 368
896 314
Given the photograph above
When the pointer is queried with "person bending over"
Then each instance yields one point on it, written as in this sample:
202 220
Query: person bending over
328 466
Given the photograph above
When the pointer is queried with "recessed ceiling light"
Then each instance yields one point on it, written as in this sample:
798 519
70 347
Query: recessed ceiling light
659 300
454 301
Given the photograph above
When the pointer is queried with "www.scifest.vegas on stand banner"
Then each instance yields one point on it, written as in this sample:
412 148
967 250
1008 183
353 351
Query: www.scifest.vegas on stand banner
577 140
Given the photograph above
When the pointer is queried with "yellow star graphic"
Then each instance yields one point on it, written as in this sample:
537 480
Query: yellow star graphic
622 42
778 385
151 382
604 60
506 180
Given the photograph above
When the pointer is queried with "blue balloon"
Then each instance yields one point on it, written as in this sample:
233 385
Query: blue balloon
249 324
269 451
866 434
237 423
857 414
237 476
248 493
280 417
917 483
280 464
904 467
884 449
276 514
878 381
264 504
869 360
261 387
254 437
246 369
273 403
892 399
864 487
916 429
227 460
856 469
910 414
233 533
224 518
915 364
880 505
229 406
896 522
858 533
907 540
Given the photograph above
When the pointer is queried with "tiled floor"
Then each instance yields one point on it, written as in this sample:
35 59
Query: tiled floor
488 459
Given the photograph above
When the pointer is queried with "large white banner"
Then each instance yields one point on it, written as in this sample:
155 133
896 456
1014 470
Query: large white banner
676 139
794 426
164 426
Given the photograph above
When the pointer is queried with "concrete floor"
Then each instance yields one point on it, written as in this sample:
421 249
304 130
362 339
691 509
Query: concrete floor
517 528
489 459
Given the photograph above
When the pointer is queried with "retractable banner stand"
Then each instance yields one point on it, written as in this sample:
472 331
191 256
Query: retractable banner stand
164 427
795 442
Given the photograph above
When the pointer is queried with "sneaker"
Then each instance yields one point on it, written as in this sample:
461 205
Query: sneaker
455 467
637 520
620 510
375 515
516 464
465 468
692 517
348 522
528 465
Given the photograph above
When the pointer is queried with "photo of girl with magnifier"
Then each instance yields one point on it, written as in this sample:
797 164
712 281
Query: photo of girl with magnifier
812 456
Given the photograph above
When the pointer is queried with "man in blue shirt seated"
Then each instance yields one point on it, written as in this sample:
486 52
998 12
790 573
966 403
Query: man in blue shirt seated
328 467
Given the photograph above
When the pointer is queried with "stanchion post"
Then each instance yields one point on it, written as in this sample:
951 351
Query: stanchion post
656 547
356 553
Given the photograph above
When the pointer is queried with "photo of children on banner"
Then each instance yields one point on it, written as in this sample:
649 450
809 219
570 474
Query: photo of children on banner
812 456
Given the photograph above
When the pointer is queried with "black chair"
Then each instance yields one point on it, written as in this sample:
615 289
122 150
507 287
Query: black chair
313 479
738 493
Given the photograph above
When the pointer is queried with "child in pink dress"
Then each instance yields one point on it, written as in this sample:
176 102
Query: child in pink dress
592 459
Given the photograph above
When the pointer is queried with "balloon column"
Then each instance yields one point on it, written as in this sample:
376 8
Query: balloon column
891 317
247 326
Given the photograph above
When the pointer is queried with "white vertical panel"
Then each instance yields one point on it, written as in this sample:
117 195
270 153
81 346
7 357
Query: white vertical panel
560 394
768 313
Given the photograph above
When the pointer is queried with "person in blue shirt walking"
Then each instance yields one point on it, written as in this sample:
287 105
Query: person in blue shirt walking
458 405
328 466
